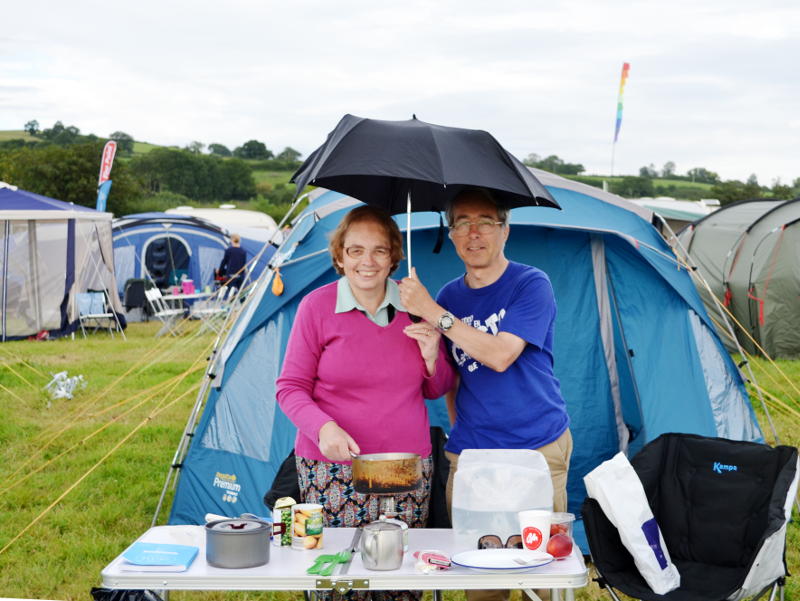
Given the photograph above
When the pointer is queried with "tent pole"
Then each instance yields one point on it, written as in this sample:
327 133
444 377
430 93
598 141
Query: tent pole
4 277
34 271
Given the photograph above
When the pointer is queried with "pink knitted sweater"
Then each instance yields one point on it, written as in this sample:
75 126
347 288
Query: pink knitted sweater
369 379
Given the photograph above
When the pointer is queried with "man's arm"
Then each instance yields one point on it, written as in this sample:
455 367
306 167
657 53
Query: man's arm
495 352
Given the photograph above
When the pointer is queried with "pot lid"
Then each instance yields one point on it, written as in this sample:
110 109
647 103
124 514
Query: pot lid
235 525
381 526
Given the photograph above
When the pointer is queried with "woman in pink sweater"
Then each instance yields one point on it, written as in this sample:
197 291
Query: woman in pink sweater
356 373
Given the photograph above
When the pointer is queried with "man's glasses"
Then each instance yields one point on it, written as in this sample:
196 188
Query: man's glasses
379 253
492 541
484 226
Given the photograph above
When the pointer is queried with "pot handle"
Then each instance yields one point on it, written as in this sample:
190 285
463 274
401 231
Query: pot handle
369 548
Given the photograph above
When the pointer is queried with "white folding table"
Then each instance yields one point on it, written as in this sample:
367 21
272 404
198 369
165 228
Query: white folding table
286 569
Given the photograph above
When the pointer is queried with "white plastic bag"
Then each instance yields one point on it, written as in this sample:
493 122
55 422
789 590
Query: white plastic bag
618 490
492 486
63 387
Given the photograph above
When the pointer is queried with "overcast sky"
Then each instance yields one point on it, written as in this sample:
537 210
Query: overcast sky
713 83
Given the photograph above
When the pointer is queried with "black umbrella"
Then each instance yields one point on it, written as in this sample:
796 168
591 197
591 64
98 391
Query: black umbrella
406 166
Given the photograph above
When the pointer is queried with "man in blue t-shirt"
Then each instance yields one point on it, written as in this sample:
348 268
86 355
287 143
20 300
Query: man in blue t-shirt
498 322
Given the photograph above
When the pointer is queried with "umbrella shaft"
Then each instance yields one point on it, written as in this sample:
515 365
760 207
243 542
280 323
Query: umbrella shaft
408 231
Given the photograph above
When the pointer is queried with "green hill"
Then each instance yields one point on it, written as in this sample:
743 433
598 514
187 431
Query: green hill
16 134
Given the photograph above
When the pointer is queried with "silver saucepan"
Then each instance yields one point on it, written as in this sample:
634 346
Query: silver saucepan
237 543
386 473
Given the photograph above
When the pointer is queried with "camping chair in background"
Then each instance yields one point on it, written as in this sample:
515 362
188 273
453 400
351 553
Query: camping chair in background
722 507
170 317
93 312
214 310
134 300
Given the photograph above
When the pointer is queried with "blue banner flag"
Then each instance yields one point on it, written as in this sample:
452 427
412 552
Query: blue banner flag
102 195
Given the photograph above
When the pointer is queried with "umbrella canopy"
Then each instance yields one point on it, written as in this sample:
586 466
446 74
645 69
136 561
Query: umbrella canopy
384 163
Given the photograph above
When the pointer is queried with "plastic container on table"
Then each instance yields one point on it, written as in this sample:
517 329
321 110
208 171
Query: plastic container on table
491 487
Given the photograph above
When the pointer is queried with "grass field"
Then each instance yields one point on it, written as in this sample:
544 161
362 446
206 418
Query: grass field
80 478
144 147
599 179
15 134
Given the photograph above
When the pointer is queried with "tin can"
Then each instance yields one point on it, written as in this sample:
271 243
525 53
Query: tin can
282 522
307 526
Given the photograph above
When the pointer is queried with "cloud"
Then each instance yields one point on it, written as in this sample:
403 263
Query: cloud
711 83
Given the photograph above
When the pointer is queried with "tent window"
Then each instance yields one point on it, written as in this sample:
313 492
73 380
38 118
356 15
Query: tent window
125 263
210 258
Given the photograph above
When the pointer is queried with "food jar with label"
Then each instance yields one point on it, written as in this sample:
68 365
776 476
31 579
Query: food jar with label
282 522
307 526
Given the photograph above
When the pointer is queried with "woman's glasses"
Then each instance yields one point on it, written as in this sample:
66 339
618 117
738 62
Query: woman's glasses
379 253
492 541
484 226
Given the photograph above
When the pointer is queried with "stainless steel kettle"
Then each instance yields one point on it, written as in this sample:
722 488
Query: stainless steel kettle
382 546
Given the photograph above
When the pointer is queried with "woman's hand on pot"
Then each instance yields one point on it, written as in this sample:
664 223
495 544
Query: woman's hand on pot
335 443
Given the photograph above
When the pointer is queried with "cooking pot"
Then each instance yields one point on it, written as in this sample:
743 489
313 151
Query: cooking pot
386 473
237 543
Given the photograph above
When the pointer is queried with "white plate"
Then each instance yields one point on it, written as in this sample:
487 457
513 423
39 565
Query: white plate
501 560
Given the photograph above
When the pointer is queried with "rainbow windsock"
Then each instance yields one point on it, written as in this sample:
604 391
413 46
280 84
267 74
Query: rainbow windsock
625 68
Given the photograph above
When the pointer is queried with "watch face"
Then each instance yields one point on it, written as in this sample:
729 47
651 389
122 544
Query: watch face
446 322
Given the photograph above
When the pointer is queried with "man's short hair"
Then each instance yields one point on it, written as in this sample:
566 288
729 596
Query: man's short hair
483 194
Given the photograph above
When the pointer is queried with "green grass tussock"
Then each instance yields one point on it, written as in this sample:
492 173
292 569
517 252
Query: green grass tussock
56 453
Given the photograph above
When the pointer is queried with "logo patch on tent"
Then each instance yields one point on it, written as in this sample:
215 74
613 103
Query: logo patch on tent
721 467
228 483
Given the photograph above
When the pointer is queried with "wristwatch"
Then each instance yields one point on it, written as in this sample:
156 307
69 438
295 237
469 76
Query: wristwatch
446 321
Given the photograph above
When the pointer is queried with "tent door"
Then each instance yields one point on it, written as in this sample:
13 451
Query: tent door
624 392
165 258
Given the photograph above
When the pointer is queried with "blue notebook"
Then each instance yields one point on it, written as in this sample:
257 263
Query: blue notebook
158 557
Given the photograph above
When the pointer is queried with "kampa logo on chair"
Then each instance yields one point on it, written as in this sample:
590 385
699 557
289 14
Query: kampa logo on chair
721 467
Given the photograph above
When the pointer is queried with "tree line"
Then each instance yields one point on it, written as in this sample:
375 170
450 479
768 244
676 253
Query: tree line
650 182
62 163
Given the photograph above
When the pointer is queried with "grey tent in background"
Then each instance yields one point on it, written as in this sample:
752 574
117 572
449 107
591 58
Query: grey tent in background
749 253
49 252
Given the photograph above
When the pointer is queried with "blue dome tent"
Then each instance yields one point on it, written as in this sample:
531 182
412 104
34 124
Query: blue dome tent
635 351
163 247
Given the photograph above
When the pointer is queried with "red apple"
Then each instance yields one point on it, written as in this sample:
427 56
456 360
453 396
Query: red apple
558 529
559 545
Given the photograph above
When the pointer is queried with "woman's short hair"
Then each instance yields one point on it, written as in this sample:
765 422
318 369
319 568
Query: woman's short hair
483 194
361 214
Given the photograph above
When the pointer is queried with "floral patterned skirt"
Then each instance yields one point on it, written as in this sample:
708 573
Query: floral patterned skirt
331 485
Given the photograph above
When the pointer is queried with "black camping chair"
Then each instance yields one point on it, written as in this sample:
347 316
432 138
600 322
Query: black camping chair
133 294
722 507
